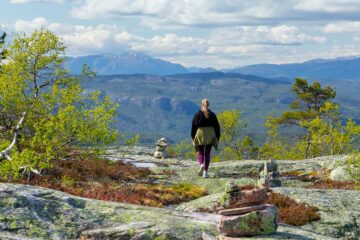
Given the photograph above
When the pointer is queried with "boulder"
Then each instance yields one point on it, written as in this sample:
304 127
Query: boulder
158 154
340 174
250 224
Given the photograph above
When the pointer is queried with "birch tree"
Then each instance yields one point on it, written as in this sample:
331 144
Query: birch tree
43 109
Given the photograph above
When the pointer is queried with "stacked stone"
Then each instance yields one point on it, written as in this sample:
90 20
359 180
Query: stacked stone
269 174
160 150
248 215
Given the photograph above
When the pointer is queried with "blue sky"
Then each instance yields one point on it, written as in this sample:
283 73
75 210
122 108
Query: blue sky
206 33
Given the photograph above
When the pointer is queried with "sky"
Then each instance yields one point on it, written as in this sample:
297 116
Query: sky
202 33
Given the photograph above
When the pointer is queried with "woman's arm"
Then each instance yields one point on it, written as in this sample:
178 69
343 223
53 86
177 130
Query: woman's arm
194 126
216 127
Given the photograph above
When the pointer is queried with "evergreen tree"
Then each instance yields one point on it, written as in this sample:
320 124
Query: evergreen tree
316 121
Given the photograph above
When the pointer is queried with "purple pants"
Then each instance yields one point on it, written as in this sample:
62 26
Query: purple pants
204 155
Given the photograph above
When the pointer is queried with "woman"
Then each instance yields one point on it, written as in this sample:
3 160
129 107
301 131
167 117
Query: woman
205 133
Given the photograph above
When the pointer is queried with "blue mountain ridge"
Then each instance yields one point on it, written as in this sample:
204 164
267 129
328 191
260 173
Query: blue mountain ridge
140 63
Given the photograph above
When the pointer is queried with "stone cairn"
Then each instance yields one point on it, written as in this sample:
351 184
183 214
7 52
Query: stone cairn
160 150
269 174
244 213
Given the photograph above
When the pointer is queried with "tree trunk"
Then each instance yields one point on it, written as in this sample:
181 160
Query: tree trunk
308 145
5 153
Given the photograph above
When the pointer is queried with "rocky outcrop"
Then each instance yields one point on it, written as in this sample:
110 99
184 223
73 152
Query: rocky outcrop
28 212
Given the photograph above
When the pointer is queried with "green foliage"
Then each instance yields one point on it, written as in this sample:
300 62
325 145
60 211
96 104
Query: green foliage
353 167
59 113
314 123
67 181
185 149
235 146
129 142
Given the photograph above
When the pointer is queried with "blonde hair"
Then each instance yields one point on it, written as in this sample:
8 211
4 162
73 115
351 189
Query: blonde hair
205 107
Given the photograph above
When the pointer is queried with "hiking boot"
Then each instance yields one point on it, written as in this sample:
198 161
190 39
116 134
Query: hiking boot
205 174
201 170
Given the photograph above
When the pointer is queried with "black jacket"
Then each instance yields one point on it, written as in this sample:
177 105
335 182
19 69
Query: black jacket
200 120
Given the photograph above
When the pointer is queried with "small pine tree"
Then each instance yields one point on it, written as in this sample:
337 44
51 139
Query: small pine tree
316 120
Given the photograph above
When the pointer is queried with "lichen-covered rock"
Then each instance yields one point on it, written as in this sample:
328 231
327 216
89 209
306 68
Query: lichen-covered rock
28 212
231 187
339 210
244 198
250 224
132 231
340 174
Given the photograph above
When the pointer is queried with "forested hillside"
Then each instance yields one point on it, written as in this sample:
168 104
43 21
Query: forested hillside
163 106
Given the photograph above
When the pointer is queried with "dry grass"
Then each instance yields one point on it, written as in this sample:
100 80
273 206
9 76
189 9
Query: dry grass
293 212
155 195
91 168
307 176
330 184
101 179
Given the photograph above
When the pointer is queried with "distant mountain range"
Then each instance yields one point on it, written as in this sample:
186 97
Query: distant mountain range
321 69
125 63
140 63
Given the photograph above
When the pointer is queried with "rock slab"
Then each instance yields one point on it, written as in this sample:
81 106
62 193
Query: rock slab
250 224
239 211
340 174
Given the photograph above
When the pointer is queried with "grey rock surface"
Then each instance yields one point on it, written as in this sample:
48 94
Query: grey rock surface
28 212
340 174
39 213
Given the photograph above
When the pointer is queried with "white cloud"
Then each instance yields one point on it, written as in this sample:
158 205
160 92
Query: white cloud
208 13
182 12
171 44
265 35
340 27
35 1
330 6
222 47
81 39
30 26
